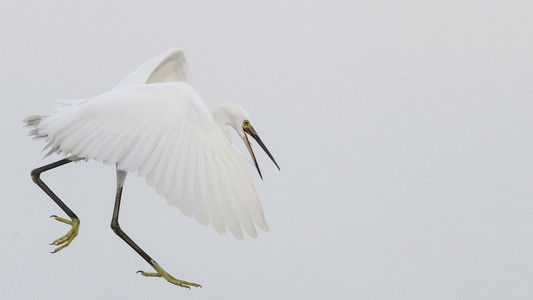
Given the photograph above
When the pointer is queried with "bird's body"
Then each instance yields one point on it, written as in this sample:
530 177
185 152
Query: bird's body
155 124
165 133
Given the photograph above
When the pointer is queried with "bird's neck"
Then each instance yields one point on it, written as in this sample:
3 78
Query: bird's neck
222 118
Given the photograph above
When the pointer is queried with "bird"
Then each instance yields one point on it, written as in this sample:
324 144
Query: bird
155 124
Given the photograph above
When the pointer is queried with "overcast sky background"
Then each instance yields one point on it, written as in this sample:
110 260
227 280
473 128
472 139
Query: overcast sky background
403 130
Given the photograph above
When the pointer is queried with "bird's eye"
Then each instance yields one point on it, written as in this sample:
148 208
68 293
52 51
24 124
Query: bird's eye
246 123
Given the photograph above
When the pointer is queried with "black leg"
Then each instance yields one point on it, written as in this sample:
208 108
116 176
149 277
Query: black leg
65 240
121 177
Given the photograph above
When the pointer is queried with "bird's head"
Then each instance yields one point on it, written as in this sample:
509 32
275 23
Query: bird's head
238 118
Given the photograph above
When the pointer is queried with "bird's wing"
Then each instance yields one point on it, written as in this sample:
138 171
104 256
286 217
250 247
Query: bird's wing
165 133
169 66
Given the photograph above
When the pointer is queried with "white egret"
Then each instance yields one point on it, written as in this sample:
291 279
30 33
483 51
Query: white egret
155 124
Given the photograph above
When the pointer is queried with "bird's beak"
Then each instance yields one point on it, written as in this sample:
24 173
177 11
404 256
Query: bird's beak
251 131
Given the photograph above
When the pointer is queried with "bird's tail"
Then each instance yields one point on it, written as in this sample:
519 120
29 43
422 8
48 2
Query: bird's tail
36 131
33 122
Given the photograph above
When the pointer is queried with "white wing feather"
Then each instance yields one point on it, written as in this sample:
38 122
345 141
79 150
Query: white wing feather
165 133
169 66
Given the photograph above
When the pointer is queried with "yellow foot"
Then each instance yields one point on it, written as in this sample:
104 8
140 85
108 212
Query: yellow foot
168 277
65 240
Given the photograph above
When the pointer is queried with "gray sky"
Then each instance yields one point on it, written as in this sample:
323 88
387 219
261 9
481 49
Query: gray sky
403 130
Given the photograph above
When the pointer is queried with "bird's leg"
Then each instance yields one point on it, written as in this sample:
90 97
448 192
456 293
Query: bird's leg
74 221
121 176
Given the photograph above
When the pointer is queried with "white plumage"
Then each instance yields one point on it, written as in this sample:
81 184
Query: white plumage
155 124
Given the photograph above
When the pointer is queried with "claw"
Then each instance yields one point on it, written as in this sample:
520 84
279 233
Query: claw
65 240
168 277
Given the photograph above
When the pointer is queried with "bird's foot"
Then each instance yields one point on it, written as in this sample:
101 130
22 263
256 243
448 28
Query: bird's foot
65 240
168 277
